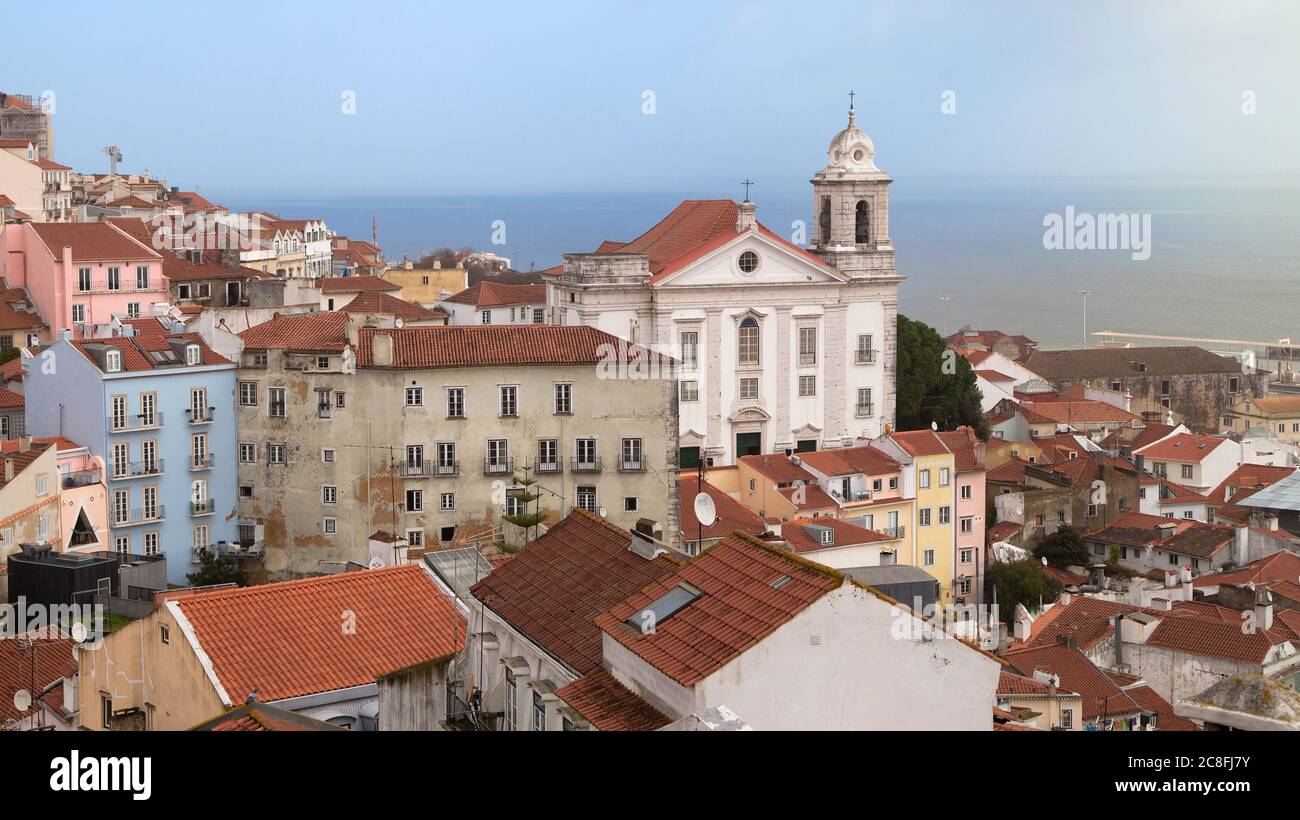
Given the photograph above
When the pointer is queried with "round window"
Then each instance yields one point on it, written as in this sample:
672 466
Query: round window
748 262
859 154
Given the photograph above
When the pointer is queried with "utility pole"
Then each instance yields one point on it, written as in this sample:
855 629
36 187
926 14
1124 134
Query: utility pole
1085 294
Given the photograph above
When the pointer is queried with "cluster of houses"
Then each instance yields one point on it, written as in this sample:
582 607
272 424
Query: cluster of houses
659 486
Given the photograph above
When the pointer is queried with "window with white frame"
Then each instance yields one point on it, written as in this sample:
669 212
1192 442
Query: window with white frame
748 353
327 455
447 502
563 398
152 543
415 397
690 341
455 402
807 385
275 454
929 558
486 317
587 498
509 400
414 500
330 525
247 452
275 402
329 494
248 394
748 389
511 695
923 479
690 391
807 346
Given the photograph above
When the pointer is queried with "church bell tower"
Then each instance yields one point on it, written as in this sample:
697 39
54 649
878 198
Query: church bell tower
851 207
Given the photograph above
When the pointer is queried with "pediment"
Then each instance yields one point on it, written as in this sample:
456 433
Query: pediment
778 263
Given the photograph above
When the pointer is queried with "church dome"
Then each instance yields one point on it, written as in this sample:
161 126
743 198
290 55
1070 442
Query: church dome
852 151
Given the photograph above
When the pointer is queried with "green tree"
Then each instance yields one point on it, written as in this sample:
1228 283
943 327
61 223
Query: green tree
1021 582
935 385
524 493
1064 548
215 569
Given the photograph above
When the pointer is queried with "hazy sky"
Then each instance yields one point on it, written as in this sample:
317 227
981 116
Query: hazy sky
241 98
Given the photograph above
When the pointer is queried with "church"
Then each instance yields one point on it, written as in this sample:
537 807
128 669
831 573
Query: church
781 347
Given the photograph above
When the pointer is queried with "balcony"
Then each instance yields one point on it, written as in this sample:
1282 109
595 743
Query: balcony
80 478
140 469
447 468
894 533
548 466
631 464
148 515
584 464
207 507
201 415
204 462
864 357
864 410
498 466
128 424
415 470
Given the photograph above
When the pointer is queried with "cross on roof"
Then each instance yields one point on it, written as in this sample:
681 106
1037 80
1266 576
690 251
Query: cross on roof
747 183
851 95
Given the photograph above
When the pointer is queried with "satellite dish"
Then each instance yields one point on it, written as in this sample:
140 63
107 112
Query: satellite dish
398 323
604 513
705 510
934 425
376 563
1044 560
22 700
79 632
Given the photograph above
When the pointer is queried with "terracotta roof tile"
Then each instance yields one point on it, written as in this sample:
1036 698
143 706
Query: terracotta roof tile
920 442
285 640
743 600
356 284
1101 695
609 705
551 591
493 345
385 303
34 671
1184 447
732 516
487 294
795 535
777 468
1080 412
309 332
92 241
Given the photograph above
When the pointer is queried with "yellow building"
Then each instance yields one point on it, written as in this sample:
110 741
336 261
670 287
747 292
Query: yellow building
428 286
929 473
1279 415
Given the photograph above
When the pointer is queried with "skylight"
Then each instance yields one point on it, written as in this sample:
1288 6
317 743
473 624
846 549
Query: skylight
666 606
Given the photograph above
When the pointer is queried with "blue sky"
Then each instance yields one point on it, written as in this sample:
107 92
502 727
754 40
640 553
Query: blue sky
526 97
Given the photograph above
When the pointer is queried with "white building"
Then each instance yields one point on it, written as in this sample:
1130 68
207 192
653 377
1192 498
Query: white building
781 347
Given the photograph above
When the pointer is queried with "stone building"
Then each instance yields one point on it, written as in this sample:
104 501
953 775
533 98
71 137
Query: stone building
23 116
419 431
781 347
1191 385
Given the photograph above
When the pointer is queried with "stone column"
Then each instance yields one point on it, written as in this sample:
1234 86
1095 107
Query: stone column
713 374
835 421
889 352
781 435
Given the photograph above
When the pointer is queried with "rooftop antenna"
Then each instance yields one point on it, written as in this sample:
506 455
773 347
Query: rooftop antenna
374 231
114 157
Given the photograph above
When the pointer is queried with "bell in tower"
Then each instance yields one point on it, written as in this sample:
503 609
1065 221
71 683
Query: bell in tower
851 205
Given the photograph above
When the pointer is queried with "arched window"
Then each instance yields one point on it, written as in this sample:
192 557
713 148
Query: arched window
824 220
862 226
748 342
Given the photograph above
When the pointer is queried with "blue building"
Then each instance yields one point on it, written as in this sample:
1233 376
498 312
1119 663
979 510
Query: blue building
156 405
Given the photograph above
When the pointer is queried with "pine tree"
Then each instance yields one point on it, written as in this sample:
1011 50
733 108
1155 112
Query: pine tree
524 519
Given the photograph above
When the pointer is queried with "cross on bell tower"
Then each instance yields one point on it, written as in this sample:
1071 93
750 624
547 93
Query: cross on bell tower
747 182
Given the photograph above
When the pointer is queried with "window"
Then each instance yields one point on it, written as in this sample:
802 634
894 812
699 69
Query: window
105 711
275 402
1234 384
929 558
414 457
486 317
415 501
78 313
630 503
539 712
248 394
1164 387
967 555
923 479
122 544
509 717
1092 510
415 397
943 476
965 492
1187 471
455 402
690 391
330 525
923 516
275 454
322 362
509 400
340 399
967 525
864 354
114 278
548 453
631 455
807 346
113 361
142 277
446 458
893 483
587 498
247 453
447 502
324 404
749 389
748 262
498 458
415 538
513 505
807 385
133 310
747 343
945 514
1067 718
1187 514
327 455
586 452
539 316
83 280
201 539
864 401
42 485
329 494
564 398
199 451
690 349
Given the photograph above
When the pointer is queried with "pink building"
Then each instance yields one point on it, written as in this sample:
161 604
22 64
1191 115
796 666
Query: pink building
968 452
81 274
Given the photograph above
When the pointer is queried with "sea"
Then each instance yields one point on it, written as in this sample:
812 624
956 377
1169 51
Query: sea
1221 261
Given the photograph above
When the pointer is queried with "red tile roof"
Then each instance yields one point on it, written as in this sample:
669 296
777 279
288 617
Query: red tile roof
1279 566
609 705
137 350
1101 695
10 400
1241 483
551 591
356 284
385 303
846 534
1184 447
777 468
1166 720
1214 638
732 516
305 332
487 294
1012 683
92 241
285 640
1088 620
1083 411
1003 530
847 461
262 717
963 444
814 498
33 671
743 600
920 442
497 345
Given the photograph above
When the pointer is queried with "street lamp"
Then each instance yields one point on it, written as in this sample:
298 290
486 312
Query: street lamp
945 300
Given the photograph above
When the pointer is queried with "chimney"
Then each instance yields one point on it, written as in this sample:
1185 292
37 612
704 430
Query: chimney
1167 531
9 470
1263 609
746 216
1242 545
381 349
409 265
1171 579
1023 623
25 444
1119 641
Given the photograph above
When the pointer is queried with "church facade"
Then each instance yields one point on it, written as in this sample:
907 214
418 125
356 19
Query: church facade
782 347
